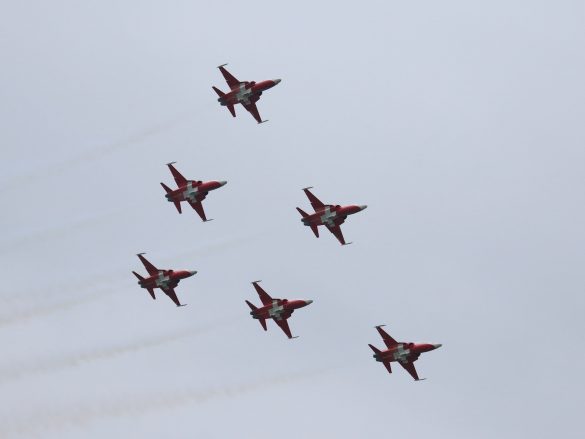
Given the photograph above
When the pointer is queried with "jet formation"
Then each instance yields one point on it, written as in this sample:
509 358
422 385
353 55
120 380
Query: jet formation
191 191
278 310
328 215
246 93
403 353
165 279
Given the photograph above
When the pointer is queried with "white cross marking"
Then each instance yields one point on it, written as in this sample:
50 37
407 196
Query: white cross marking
328 217
244 94
162 280
191 192
276 309
400 353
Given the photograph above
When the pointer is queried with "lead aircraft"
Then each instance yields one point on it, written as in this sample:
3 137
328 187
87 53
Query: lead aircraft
278 310
191 191
246 93
165 279
328 215
403 353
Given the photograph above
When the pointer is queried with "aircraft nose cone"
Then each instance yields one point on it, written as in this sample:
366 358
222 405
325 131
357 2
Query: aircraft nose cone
363 207
438 345
191 273
308 302
222 183
276 81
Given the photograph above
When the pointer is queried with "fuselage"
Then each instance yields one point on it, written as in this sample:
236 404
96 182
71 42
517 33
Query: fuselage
331 215
405 352
193 191
165 279
279 309
247 92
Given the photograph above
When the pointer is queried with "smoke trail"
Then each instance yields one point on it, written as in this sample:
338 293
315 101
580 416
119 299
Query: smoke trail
93 154
37 238
27 314
56 364
80 416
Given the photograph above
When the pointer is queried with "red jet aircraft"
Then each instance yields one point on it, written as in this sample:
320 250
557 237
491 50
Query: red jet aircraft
328 215
246 93
166 280
192 191
405 353
277 309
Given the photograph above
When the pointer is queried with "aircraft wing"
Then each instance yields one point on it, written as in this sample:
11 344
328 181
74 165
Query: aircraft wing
253 110
336 230
284 326
264 297
152 270
198 208
172 295
315 202
229 78
409 367
390 342
179 179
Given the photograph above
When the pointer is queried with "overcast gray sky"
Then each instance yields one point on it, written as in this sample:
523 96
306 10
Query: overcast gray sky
460 125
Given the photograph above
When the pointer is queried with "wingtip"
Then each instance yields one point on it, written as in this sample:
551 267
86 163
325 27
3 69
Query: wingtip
296 336
223 65
347 243
262 121
256 281
379 326
171 163
140 254
307 188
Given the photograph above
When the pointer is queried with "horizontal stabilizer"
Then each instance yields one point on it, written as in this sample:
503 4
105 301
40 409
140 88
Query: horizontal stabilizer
166 188
315 230
220 93
252 306
301 211
138 276
375 349
232 110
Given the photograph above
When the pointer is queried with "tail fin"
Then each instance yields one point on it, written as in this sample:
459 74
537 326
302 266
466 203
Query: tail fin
232 110
169 190
313 227
220 93
385 363
150 290
254 308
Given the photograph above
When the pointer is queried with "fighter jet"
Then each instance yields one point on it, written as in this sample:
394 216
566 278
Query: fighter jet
192 191
277 309
404 353
246 93
329 215
166 280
